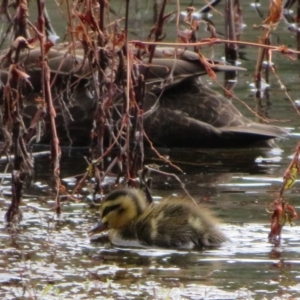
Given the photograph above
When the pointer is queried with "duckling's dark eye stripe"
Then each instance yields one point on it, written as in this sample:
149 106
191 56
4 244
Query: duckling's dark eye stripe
116 194
110 208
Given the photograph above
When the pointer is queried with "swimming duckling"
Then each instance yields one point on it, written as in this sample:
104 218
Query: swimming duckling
173 223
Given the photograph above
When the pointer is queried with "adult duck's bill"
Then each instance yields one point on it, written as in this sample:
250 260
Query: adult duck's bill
98 228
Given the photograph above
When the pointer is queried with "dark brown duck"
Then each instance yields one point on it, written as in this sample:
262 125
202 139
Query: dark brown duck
187 114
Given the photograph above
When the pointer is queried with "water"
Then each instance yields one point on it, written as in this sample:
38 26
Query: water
50 257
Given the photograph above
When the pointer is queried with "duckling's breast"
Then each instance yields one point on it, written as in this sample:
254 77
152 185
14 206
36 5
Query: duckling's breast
119 239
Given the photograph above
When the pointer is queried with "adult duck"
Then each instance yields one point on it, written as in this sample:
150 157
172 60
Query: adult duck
189 114
186 113
172 223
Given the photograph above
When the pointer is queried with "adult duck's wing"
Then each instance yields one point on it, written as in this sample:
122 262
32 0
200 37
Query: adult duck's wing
172 128
192 115
206 105
202 103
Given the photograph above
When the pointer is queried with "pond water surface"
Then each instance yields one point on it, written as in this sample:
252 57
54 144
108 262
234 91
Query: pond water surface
51 257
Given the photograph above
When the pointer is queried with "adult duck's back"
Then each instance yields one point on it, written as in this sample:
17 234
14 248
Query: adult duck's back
193 115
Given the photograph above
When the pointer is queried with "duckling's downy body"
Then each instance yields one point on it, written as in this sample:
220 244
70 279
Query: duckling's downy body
173 223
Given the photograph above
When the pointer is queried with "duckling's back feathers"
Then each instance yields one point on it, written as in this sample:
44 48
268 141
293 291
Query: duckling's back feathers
175 223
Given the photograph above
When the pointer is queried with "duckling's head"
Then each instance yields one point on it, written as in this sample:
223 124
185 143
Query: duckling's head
120 208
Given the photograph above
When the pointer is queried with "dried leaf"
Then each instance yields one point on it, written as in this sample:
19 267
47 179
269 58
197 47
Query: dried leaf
275 13
21 43
140 45
190 11
283 213
208 66
90 170
277 220
290 177
290 214
116 42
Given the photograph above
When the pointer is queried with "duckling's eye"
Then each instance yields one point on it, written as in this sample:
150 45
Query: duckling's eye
110 208
121 210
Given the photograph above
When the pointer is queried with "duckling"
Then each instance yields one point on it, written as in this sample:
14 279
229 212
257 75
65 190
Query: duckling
173 223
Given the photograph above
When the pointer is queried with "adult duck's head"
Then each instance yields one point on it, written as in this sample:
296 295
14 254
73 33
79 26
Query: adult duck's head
171 66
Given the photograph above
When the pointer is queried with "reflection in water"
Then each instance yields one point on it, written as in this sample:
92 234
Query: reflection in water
52 258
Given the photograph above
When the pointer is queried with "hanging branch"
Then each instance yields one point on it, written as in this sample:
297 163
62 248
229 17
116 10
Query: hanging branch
283 212
128 97
46 90
268 25
137 136
157 30
135 93
12 119
22 162
231 50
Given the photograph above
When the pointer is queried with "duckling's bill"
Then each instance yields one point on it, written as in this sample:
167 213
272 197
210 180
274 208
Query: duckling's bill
98 228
